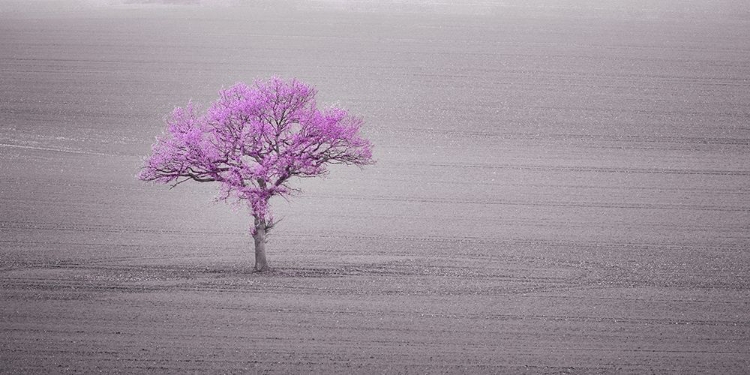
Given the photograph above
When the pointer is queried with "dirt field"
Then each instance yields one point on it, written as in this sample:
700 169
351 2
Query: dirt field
559 189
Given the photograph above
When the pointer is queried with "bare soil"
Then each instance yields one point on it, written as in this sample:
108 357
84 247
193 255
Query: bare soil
558 190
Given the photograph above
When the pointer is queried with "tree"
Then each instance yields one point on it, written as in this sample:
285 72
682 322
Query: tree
253 140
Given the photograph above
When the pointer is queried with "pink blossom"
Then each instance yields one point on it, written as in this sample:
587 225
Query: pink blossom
253 139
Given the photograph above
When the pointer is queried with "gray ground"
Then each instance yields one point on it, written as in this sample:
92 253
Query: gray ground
560 188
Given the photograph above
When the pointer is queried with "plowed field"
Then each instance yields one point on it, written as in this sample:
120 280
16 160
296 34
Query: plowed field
559 189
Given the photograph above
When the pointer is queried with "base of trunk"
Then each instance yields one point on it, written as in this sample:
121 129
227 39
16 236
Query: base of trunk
261 267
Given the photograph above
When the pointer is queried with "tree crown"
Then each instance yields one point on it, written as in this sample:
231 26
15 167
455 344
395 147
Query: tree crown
253 139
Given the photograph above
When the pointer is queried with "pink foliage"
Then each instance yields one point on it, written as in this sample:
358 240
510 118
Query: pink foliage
253 139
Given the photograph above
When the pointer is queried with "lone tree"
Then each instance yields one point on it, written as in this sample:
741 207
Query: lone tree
253 140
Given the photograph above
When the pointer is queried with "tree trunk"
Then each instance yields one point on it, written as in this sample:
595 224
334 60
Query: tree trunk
261 264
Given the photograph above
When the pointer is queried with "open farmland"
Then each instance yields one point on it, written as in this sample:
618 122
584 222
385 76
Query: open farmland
559 189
